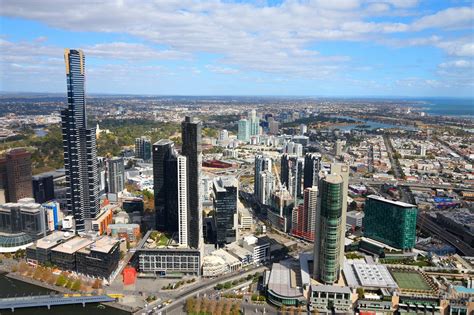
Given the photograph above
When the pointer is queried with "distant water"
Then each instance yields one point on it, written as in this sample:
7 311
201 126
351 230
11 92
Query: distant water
447 106
41 132
11 287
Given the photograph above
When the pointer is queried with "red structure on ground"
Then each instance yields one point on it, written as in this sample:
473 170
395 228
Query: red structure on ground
129 275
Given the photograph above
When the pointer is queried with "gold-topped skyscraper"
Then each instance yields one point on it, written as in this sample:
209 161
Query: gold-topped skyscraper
80 154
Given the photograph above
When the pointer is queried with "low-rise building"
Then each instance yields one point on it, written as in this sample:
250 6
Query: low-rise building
330 298
64 255
99 259
40 252
283 285
100 223
130 232
245 219
167 259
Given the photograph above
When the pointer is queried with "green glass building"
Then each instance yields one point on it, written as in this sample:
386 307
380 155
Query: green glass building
329 230
390 222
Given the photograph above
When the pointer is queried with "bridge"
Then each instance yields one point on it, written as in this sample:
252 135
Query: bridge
52 300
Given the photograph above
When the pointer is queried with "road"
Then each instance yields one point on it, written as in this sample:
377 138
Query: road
426 223
397 170
201 286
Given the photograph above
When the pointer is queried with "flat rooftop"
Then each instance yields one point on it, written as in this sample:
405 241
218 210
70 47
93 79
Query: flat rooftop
222 182
53 239
397 203
359 273
103 245
73 245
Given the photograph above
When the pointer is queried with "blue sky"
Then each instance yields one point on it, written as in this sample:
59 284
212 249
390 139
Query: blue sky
184 47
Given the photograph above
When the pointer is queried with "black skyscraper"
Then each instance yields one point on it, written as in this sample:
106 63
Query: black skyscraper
80 155
225 207
43 188
191 136
312 166
165 185
284 169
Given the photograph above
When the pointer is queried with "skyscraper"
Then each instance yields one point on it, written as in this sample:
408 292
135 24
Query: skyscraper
291 174
15 175
225 208
143 148
80 155
312 163
304 216
116 175
191 149
243 130
182 200
390 222
329 230
266 187
262 163
165 185
254 123
43 188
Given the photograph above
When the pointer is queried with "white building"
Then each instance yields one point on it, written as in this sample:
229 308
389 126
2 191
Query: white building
182 202
245 219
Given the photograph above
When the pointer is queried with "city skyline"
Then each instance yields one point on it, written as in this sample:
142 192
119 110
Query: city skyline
348 48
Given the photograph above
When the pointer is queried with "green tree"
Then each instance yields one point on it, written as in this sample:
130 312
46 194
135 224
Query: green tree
61 281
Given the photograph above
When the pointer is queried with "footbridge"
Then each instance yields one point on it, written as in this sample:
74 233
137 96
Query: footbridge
52 300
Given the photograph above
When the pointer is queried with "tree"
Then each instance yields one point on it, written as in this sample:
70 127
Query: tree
97 284
360 292
76 285
61 281
190 305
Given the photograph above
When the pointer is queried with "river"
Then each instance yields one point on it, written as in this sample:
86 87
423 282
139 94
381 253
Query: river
10 287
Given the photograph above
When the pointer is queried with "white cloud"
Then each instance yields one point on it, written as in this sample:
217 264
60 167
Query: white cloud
451 18
276 40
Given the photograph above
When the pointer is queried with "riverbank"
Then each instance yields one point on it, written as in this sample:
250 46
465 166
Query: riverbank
19 277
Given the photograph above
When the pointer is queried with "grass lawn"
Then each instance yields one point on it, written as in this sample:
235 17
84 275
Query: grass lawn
410 280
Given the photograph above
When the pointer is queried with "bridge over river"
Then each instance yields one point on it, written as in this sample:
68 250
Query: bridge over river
52 300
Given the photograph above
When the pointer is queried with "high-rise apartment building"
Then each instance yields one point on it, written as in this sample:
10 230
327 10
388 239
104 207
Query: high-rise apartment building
390 222
191 149
291 174
43 188
329 230
304 216
80 155
143 148
243 130
182 201
262 163
338 148
115 175
225 209
312 166
15 175
254 123
266 187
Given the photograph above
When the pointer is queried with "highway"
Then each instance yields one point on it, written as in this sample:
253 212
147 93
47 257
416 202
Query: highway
425 223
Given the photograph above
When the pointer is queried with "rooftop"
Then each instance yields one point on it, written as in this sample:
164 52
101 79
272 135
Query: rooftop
53 239
73 245
283 281
358 273
103 244
397 203
330 288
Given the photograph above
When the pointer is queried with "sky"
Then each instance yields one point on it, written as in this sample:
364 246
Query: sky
275 47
